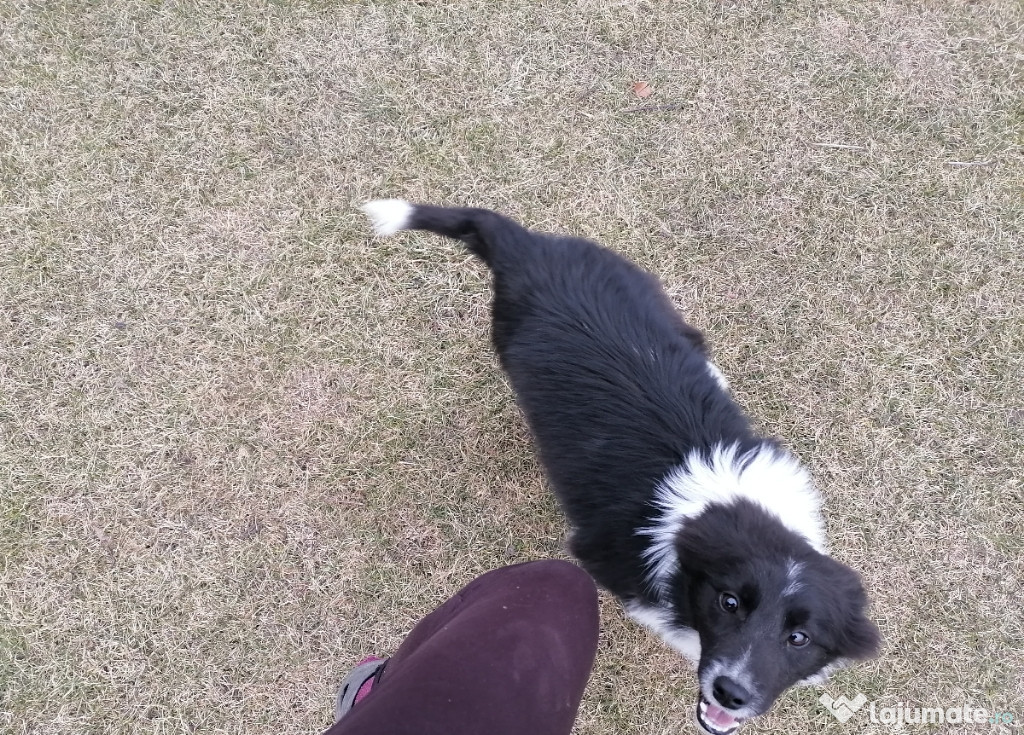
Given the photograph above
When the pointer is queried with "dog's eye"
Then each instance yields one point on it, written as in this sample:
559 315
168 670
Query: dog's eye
799 639
728 602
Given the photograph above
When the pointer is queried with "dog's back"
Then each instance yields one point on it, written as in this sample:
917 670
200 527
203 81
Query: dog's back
615 386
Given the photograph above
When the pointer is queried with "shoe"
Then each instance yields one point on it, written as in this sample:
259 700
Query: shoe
358 684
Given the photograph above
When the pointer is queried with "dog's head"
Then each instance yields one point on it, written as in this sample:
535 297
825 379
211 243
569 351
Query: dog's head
771 612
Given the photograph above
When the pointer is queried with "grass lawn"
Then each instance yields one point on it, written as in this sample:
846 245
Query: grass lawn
242 443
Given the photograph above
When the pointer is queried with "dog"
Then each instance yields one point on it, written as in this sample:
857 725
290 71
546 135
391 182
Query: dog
709 534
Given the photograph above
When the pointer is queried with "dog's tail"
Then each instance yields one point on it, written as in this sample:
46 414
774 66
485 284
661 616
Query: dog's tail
487 234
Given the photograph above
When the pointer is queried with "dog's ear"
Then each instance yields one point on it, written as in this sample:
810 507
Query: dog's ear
857 637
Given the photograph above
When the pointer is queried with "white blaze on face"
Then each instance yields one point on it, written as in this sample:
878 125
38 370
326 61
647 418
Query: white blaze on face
793 583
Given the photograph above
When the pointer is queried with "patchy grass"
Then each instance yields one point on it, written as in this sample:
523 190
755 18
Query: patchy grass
244 444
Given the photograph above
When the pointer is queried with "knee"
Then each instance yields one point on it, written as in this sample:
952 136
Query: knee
559 578
556 570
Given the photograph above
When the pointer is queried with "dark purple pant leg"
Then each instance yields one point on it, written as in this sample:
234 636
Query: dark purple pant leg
510 654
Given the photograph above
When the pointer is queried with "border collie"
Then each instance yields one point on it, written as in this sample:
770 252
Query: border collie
708 533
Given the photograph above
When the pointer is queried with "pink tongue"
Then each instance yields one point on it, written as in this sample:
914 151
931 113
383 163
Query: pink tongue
719 717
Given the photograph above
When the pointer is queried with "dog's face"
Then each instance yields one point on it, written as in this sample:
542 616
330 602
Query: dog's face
771 612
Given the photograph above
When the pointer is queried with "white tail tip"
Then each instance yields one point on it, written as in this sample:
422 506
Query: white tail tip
388 216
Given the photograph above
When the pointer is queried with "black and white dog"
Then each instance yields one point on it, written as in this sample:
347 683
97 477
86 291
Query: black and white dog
709 534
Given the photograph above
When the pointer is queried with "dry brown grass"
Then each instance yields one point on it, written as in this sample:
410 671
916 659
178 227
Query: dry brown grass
243 444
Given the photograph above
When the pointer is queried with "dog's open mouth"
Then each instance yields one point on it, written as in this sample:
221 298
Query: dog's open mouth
714 720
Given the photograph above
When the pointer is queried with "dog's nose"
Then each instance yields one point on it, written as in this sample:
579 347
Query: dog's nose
729 693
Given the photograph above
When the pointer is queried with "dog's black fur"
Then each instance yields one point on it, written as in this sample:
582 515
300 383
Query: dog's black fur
617 391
